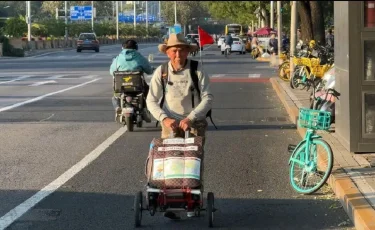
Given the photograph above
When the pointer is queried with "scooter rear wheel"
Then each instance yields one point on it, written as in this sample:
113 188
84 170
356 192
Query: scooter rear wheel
129 124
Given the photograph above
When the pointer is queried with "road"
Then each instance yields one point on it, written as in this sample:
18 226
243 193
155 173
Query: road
67 165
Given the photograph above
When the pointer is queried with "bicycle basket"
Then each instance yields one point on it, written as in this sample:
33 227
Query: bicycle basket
314 119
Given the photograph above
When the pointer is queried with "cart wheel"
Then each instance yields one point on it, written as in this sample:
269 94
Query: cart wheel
197 212
210 209
138 209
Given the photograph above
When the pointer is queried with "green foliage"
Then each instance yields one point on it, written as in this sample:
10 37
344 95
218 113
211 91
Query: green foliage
187 11
15 27
241 12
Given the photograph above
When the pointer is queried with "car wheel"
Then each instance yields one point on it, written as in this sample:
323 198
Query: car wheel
222 52
78 50
97 50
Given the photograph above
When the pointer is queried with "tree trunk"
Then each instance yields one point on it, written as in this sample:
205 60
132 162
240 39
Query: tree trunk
317 18
303 8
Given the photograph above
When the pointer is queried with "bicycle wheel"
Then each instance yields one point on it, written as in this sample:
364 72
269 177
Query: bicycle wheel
317 166
296 79
284 71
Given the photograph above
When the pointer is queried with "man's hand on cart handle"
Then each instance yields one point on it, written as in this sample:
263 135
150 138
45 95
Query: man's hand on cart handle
185 124
170 123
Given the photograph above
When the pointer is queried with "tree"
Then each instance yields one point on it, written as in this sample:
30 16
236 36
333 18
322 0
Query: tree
15 27
241 12
187 11
312 18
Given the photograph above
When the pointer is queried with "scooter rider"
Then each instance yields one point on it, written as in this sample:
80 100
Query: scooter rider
129 60
228 40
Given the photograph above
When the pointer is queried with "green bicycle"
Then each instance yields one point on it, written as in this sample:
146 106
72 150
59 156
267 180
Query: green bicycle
307 162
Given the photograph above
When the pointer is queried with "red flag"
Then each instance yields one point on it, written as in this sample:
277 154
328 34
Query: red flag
204 37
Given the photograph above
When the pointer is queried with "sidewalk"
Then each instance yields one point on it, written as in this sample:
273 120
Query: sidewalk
353 178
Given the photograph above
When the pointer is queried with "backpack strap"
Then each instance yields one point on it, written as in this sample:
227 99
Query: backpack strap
194 78
164 80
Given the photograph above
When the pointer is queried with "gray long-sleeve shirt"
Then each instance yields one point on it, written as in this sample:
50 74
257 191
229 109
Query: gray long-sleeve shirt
178 98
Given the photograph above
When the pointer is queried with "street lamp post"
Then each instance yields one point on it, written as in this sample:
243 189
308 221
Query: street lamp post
272 10
28 21
279 25
92 16
159 11
135 17
175 12
147 17
66 21
117 20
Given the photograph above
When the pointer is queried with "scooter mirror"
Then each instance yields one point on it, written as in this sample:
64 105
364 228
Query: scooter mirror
150 58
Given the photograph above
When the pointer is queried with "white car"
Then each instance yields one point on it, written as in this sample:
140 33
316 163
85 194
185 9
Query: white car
220 41
237 46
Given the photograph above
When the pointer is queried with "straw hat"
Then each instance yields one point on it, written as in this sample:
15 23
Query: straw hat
176 40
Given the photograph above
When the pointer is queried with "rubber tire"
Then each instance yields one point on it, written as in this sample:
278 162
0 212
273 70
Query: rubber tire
210 209
222 52
138 209
79 51
139 124
327 173
129 124
97 50
281 67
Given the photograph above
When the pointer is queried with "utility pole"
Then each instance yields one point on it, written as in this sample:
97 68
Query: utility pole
272 11
28 21
147 18
92 16
117 20
121 6
175 12
159 11
66 22
279 26
293 33
135 17
57 13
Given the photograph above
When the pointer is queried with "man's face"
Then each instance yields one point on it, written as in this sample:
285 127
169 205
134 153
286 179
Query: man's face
178 55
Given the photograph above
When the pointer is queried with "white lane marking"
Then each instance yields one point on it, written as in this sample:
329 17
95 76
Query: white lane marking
55 77
89 76
17 79
22 208
43 83
206 48
218 75
254 76
44 96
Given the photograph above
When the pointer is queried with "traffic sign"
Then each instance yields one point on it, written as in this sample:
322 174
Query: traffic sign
80 13
140 18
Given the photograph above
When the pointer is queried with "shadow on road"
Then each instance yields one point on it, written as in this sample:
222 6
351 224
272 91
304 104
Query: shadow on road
87 210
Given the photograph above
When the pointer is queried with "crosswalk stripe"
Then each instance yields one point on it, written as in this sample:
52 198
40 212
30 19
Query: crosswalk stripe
55 77
17 79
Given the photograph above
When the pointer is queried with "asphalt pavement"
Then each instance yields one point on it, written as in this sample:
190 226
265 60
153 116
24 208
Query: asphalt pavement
65 163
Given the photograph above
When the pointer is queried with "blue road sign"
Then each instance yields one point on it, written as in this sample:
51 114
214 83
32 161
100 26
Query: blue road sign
140 18
80 13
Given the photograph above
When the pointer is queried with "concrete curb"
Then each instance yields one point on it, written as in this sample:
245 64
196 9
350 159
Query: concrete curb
355 204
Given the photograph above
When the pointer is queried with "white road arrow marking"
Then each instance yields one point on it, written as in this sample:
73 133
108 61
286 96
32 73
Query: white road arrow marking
42 83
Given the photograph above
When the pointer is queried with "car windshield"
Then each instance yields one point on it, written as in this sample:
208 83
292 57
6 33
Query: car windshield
87 36
236 39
